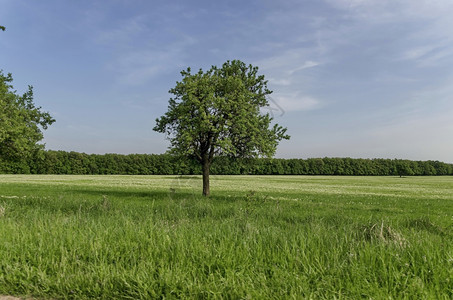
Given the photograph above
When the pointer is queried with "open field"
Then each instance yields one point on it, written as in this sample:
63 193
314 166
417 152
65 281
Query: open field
257 237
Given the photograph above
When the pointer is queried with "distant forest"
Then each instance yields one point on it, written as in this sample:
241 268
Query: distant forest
62 162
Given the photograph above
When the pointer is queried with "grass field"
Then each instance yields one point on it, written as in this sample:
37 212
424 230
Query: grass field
257 237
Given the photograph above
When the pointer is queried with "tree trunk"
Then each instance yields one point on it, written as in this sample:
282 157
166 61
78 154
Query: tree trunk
205 166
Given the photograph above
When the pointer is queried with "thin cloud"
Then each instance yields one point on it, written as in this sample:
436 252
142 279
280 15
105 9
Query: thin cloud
305 65
418 30
417 52
438 57
123 34
138 67
386 10
286 72
281 81
292 102
285 61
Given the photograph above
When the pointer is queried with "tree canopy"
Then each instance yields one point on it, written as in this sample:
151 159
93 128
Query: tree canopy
217 112
20 122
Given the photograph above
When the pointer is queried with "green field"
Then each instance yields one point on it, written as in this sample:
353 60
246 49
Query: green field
257 237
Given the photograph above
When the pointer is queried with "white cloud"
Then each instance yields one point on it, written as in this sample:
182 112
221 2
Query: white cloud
290 102
387 9
421 28
306 65
285 61
437 58
137 67
417 52
287 76
280 81
137 64
124 33
289 72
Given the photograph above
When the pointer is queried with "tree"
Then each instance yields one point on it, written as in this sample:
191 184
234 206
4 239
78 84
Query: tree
20 122
403 168
217 112
2 28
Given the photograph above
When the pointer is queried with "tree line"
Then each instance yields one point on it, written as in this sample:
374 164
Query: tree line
62 162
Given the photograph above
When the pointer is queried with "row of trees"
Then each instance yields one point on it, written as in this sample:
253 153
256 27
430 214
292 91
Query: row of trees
61 162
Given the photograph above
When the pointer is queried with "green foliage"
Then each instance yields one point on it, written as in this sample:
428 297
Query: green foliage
20 126
61 162
217 112
403 168
258 237
2 28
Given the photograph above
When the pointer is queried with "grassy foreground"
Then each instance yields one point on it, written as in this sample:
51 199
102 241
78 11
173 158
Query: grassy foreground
258 237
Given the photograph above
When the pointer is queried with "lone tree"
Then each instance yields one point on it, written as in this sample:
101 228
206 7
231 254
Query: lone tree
217 112
20 122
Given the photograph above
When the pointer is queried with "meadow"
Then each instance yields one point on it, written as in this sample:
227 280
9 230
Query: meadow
256 237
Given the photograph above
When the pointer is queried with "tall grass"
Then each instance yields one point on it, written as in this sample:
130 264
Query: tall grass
141 237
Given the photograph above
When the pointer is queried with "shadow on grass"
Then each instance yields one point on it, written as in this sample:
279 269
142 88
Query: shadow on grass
120 193
425 224
156 195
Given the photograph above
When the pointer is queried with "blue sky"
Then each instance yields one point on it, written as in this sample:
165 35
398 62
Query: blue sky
353 78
